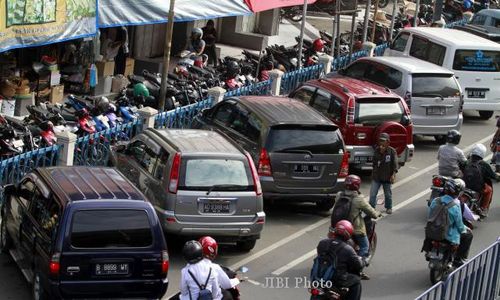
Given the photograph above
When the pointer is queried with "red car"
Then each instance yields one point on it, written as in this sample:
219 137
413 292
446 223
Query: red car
362 111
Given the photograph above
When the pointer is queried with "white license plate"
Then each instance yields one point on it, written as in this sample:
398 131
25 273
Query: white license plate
436 110
111 269
216 208
476 93
17 143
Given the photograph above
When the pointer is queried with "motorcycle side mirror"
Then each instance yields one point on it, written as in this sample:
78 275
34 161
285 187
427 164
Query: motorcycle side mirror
243 270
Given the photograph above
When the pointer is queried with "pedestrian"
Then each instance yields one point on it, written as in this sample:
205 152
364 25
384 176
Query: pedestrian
493 144
210 37
385 167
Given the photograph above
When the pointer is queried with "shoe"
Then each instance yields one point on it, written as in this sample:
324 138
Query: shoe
364 276
483 213
389 211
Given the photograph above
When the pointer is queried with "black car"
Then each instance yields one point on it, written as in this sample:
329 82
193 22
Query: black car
80 232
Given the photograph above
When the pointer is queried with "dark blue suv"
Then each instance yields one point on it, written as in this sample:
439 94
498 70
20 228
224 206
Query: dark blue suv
79 232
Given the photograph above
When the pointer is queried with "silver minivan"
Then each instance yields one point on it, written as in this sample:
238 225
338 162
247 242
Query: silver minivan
199 182
431 92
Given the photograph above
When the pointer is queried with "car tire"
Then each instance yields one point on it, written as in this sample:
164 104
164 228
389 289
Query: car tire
246 245
37 290
5 240
325 204
440 139
485 114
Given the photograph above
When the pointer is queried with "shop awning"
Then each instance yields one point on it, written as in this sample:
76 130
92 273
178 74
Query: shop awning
140 12
260 5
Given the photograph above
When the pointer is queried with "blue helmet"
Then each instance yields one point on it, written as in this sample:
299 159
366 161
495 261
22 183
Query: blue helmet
467 4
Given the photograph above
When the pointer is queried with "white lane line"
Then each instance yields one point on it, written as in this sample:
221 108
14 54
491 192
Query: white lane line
293 263
253 282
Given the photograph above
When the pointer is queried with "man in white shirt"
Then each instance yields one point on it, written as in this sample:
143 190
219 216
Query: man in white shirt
198 272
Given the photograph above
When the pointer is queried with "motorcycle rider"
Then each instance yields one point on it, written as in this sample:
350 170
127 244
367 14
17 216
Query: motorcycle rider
196 44
348 263
478 153
358 205
450 157
493 144
210 250
456 226
198 271
467 218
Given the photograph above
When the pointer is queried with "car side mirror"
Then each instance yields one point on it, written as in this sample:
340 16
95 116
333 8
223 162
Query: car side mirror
205 112
121 148
406 120
341 71
8 189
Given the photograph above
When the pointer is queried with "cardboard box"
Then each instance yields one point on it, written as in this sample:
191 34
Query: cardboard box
55 78
105 68
129 67
57 94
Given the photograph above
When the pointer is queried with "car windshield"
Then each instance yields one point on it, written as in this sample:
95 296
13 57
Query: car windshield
433 85
218 174
374 112
477 61
111 228
315 140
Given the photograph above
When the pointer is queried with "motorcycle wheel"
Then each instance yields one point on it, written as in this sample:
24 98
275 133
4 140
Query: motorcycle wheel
437 275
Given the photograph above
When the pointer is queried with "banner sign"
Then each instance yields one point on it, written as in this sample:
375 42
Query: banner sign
36 22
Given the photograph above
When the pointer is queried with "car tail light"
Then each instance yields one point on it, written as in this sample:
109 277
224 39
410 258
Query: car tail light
436 181
264 168
436 244
350 112
261 220
170 220
315 292
344 166
54 265
173 183
255 175
164 262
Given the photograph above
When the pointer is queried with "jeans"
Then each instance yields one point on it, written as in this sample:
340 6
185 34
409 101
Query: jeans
387 193
363 243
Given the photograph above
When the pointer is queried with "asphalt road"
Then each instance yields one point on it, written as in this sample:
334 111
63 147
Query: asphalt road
283 256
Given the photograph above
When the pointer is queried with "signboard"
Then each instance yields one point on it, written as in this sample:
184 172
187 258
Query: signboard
36 22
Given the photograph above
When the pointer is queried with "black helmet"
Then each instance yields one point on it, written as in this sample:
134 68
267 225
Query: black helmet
452 188
192 252
233 67
453 137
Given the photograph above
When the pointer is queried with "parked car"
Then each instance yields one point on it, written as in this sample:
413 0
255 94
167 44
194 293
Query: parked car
431 92
81 232
474 60
300 154
199 182
485 23
362 110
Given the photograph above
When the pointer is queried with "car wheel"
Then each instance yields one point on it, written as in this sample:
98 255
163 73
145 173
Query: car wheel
440 139
38 291
325 204
485 114
246 245
5 240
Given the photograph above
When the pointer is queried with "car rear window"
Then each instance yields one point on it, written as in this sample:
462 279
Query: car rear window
316 139
219 174
477 60
377 111
432 85
111 228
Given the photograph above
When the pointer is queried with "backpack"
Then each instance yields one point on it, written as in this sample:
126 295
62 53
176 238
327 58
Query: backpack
342 209
204 293
438 222
325 263
473 176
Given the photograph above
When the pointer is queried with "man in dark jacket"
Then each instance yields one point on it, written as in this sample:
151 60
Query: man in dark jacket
385 167
348 263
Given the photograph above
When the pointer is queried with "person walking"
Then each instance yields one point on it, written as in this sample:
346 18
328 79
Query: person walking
494 141
385 167
210 37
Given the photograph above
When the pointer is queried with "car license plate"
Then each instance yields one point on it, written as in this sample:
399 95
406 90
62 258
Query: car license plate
111 269
476 93
435 255
17 143
363 159
436 110
216 208
306 169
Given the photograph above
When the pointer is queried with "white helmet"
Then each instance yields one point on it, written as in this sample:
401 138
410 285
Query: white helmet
460 184
479 150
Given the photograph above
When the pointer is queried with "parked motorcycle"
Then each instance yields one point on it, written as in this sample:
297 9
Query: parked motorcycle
291 13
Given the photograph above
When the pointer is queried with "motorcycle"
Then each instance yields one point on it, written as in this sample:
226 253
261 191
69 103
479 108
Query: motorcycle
332 293
440 260
437 187
497 157
292 13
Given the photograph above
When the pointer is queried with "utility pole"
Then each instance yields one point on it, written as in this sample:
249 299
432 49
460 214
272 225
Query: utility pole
302 28
166 57
367 18
391 30
374 27
415 18
438 10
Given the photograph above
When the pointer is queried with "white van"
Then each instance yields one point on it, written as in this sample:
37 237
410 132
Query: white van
474 60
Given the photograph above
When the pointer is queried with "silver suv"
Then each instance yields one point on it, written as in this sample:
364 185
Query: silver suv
431 92
199 182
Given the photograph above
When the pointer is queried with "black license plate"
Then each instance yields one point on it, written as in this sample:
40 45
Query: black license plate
112 269
436 110
476 93
306 169
216 208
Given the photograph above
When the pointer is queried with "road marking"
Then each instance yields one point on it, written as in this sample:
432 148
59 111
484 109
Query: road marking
253 282
293 263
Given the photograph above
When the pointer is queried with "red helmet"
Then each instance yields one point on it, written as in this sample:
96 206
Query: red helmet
344 229
352 182
210 247
318 45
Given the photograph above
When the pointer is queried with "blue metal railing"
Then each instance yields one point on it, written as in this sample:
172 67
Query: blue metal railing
456 23
342 61
379 50
13 169
478 279
293 79
259 89
181 117
93 149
